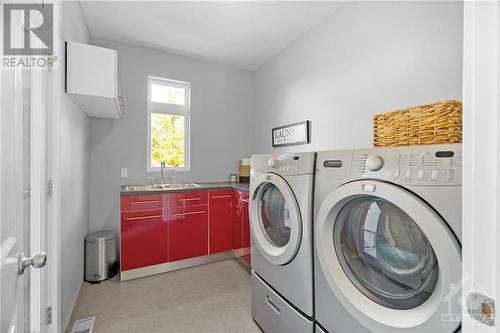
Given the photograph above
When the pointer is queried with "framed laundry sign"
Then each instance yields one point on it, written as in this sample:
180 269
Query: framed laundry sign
292 134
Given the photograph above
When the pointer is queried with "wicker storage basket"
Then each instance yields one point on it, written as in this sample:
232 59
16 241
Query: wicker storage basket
244 170
244 173
427 124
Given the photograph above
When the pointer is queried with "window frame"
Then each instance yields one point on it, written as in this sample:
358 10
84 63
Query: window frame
170 109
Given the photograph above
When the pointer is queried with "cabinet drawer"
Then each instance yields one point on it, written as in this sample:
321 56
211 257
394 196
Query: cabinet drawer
141 202
174 201
275 314
220 194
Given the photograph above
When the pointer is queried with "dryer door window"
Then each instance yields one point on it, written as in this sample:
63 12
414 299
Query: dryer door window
275 215
275 219
385 253
388 257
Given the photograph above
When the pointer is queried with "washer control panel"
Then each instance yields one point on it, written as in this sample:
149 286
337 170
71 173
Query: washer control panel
284 164
415 165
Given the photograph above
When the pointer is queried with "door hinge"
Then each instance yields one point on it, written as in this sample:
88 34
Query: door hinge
49 315
49 188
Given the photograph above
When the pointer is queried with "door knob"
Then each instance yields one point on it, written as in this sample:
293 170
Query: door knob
37 260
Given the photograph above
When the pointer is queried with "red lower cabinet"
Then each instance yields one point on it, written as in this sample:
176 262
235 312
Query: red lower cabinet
160 228
144 239
188 233
237 227
220 221
245 220
241 225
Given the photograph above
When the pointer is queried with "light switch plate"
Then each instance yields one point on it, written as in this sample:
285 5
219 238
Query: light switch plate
124 172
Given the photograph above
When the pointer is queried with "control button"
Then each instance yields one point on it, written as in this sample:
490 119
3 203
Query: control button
435 174
451 174
421 174
408 173
272 162
286 168
368 187
397 172
374 162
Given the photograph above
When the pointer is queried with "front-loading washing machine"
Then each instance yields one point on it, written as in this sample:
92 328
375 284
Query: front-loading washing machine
281 220
387 239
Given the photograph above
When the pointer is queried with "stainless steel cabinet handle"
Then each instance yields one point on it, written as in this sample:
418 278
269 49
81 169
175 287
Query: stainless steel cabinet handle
37 260
272 304
190 199
144 202
190 213
220 196
143 217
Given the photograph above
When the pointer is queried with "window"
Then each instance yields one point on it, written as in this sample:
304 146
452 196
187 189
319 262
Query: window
168 124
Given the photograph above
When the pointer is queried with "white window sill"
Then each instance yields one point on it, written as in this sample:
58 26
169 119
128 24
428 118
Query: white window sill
176 170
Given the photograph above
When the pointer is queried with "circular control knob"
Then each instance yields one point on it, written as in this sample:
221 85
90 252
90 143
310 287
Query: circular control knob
374 163
272 162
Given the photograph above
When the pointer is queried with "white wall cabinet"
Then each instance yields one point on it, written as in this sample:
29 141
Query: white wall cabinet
92 80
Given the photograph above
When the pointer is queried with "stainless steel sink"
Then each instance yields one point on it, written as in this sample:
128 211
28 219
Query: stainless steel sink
158 187
181 186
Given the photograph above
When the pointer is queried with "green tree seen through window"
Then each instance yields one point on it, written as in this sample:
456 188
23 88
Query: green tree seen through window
167 140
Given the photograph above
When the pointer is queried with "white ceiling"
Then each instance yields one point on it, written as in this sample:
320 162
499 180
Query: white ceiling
243 34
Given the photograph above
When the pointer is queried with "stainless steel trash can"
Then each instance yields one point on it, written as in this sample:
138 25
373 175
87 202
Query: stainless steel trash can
101 260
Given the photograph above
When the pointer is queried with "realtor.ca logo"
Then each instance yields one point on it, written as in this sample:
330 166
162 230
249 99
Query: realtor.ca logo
28 35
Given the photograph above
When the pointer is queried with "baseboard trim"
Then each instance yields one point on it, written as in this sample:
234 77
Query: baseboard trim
174 266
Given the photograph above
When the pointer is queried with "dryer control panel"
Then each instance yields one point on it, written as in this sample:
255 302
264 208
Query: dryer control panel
415 165
284 164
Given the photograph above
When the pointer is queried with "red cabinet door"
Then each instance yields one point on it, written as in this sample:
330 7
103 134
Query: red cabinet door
237 226
143 239
220 221
188 233
245 220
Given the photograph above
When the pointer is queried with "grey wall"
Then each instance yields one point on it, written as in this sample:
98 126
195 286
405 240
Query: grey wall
368 57
222 104
74 172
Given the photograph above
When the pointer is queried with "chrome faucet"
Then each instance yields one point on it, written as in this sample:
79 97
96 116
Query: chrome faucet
162 168
172 177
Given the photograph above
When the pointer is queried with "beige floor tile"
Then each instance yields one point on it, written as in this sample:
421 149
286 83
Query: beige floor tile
211 298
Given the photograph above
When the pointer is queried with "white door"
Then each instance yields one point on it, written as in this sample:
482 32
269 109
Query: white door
275 219
23 202
481 167
388 257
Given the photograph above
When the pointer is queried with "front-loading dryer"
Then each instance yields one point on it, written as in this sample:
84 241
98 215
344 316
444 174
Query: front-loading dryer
387 239
281 221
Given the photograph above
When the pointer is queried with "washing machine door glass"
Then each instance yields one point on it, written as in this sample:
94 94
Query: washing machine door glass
384 252
275 215
275 219
388 257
